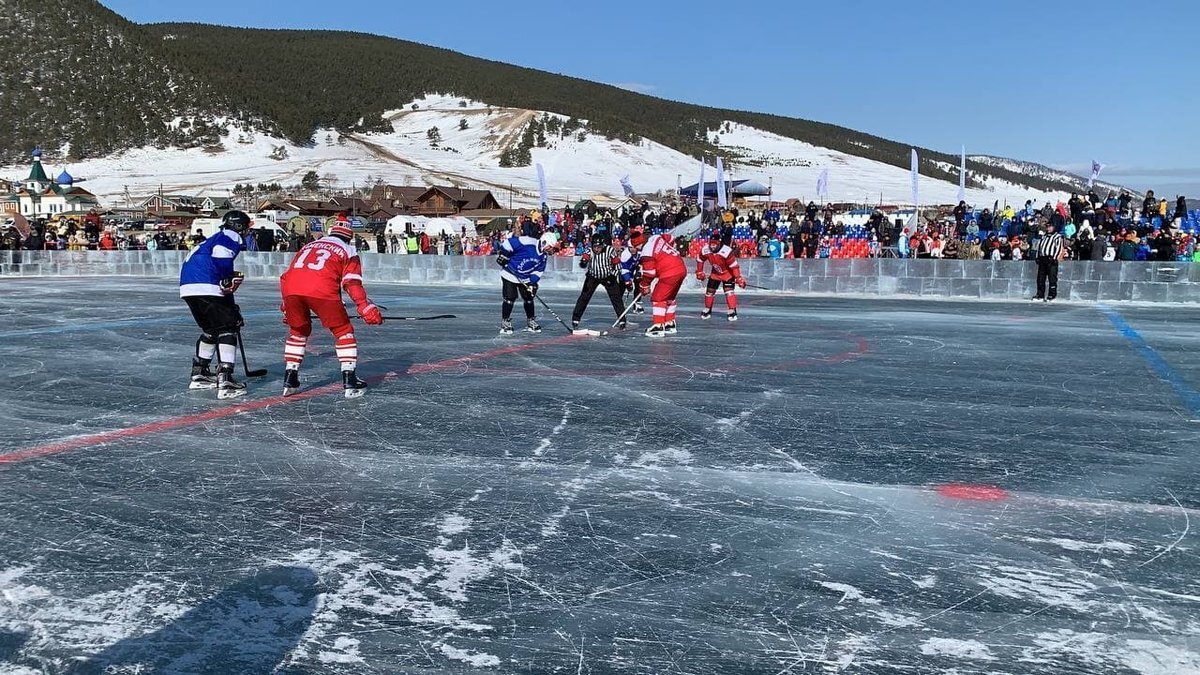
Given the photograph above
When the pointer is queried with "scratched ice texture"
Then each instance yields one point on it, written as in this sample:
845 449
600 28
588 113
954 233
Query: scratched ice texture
829 485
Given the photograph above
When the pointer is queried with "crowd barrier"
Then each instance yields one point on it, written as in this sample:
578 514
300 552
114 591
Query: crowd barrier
884 277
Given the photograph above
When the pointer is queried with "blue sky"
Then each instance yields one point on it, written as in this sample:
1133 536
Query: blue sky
1055 82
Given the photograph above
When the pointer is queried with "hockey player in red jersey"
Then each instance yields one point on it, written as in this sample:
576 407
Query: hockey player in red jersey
313 284
725 273
663 266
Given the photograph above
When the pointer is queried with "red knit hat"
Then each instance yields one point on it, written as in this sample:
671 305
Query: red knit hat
341 228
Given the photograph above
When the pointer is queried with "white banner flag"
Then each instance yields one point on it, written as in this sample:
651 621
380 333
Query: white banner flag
1097 167
962 176
700 186
543 193
823 184
722 200
915 173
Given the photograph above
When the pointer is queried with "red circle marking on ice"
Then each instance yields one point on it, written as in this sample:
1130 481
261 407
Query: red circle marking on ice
979 493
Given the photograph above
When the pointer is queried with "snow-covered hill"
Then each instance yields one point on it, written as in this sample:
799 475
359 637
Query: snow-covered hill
576 166
1047 173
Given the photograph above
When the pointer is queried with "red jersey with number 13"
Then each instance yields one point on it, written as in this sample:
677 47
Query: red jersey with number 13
661 259
321 269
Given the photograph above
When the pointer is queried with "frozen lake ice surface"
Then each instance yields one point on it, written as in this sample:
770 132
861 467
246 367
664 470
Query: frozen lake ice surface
829 485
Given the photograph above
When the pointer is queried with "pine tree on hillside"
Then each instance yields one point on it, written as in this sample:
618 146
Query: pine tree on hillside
311 181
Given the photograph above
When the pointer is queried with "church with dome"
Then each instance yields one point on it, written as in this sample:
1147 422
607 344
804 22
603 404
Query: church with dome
40 196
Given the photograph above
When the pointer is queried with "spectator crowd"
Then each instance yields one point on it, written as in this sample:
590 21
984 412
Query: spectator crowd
1112 228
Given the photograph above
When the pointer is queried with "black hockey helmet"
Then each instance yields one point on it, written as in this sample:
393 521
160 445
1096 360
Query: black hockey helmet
236 220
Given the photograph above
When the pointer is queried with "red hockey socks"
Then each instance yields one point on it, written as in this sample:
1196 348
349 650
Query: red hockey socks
347 351
293 351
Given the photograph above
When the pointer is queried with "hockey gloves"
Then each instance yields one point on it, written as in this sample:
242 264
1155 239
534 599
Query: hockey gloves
502 260
533 288
240 322
700 276
230 284
370 313
740 281
585 259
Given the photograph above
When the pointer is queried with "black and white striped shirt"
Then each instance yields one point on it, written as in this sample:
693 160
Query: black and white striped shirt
1050 246
601 265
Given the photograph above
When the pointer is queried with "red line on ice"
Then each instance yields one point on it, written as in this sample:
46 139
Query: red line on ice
972 492
172 423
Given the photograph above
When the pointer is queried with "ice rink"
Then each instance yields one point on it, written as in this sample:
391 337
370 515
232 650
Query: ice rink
827 486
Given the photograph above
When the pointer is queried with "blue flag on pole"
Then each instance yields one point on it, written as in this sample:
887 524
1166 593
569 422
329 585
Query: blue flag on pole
626 186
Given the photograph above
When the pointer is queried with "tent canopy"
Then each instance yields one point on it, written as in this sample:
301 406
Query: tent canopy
736 188
397 224
452 226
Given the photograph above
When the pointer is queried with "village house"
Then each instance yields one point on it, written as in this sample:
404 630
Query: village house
401 198
159 204
449 201
213 204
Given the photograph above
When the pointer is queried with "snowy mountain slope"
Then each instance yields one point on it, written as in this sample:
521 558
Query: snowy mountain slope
587 167
1045 172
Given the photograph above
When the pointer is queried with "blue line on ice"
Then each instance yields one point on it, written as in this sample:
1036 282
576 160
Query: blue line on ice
1189 396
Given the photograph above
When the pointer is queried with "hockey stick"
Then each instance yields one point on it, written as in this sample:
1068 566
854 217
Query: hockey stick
557 318
414 318
621 318
258 372
420 318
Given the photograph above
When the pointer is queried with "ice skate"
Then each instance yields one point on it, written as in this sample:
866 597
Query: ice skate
656 330
732 315
669 328
532 326
353 386
506 327
291 381
706 314
227 387
202 377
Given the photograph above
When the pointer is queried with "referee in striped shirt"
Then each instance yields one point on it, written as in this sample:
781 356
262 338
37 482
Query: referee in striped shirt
603 265
1049 251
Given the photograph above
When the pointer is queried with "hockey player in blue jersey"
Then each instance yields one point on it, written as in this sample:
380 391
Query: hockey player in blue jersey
631 274
523 262
207 283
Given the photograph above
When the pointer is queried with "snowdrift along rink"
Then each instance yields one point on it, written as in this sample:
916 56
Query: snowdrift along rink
884 277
